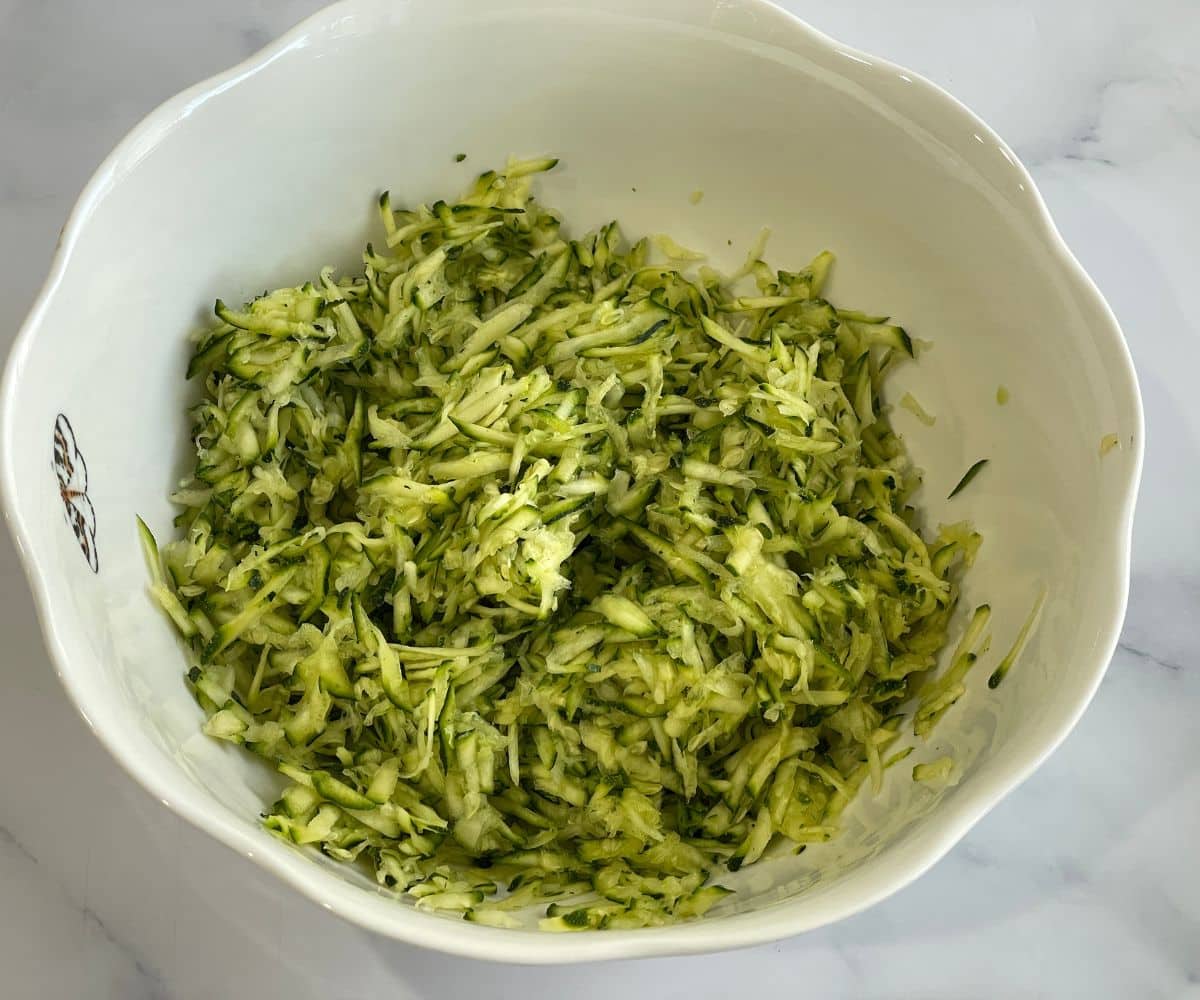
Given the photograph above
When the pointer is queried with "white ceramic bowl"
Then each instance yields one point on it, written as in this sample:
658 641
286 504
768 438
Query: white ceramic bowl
260 176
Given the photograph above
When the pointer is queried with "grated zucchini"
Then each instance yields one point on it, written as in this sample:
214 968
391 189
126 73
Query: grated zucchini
935 770
968 476
1018 646
543 571
910 403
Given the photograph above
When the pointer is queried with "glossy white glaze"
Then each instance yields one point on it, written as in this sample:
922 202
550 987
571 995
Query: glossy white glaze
1082 867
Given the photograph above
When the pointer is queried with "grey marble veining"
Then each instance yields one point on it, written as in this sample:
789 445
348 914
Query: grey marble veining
1084 883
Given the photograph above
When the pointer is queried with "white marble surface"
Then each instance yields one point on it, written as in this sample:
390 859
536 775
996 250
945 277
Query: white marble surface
1085 883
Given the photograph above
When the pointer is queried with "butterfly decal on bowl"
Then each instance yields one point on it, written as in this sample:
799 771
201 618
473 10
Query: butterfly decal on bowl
72 474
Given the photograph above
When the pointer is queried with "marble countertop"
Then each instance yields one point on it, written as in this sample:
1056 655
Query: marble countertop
1084 883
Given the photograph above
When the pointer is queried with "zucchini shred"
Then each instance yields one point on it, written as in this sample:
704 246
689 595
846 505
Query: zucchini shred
548 574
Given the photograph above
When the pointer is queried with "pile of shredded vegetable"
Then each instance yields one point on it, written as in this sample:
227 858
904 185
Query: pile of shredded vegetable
548 573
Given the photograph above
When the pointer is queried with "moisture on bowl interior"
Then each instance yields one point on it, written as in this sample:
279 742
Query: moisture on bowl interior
548 573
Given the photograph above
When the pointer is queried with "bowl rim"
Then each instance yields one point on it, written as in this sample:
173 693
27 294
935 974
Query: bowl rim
788 917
